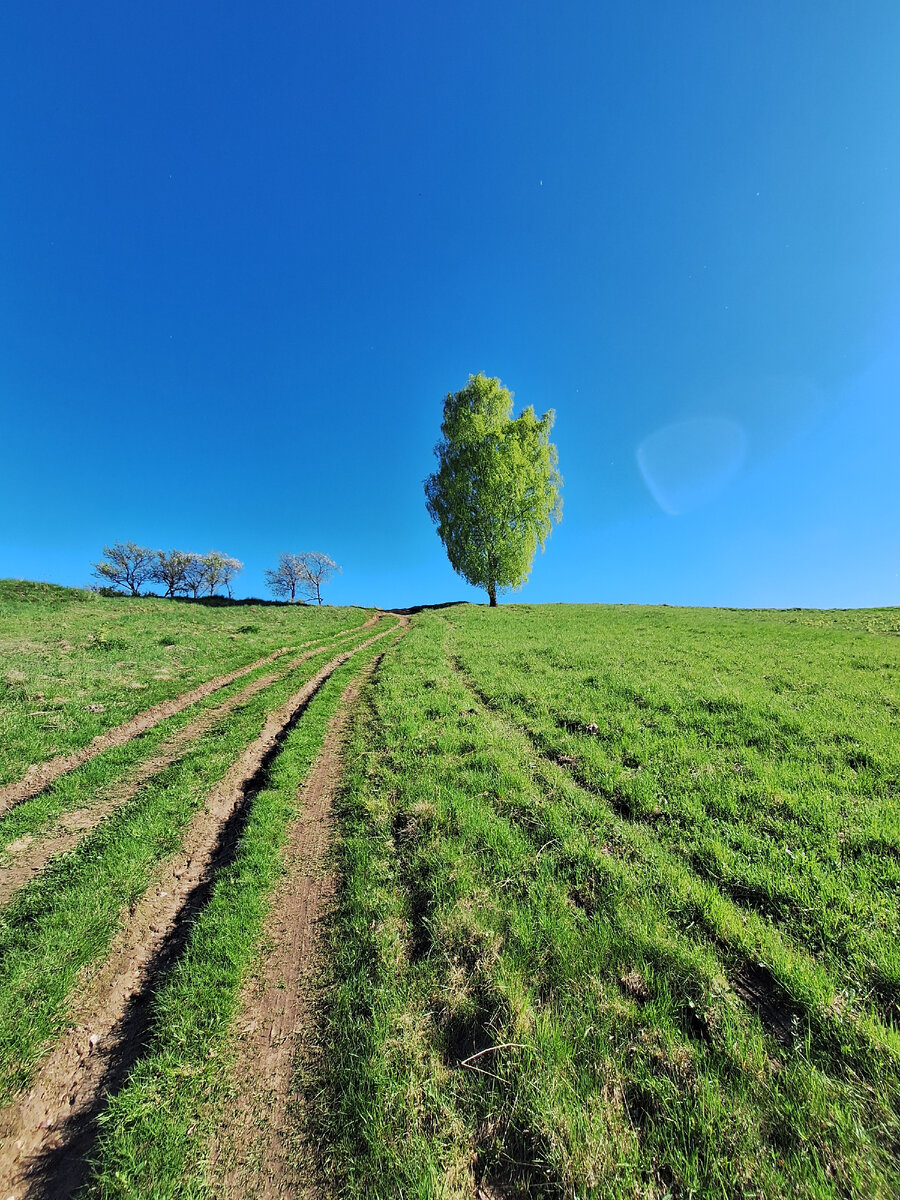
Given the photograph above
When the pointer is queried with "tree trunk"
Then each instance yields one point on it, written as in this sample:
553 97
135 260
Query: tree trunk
492 594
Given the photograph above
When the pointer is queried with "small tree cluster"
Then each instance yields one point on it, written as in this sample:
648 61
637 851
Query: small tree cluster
128 566
301 575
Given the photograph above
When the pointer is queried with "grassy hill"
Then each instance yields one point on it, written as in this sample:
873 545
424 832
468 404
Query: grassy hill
615 905
74 663
630 878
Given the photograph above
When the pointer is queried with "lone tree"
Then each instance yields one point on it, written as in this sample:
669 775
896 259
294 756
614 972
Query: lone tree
126 564
495 494
303 573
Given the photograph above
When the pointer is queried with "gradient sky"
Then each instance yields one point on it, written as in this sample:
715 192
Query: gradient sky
245 250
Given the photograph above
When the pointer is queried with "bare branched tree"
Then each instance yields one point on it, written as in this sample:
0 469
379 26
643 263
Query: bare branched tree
219 570
171 569
194 575
126 564
287 578
318 569
230 568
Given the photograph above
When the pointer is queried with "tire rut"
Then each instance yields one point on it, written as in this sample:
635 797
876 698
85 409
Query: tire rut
752 981
39 776
32 853
266 1158
47 1134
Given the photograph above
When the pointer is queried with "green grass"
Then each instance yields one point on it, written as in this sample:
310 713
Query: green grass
618 913
93 781
64 920
76 664
761 750
157 1132
493 895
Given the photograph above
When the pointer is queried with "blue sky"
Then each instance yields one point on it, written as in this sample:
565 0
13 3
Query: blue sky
245 250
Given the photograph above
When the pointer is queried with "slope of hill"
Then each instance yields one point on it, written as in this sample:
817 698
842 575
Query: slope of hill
611 898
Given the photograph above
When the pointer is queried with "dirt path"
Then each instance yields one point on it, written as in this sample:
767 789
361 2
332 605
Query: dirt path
260 1152
41 775
47 1133
28 855
257 1152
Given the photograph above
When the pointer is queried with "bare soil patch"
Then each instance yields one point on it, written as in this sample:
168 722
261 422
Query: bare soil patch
46 1135
761 992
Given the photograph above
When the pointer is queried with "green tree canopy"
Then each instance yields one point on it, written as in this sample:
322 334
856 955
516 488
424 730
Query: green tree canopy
495 494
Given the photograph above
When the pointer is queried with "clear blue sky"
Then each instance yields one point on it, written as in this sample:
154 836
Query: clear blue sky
245 250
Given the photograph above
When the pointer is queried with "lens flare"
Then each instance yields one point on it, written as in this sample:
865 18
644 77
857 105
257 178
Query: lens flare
688 463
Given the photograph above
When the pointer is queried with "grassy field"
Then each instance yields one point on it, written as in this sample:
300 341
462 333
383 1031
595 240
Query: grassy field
629 881
73 664
616 910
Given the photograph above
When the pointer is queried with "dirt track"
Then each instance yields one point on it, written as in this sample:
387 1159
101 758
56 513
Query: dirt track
47 1133
29 855
41 775
259 1152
